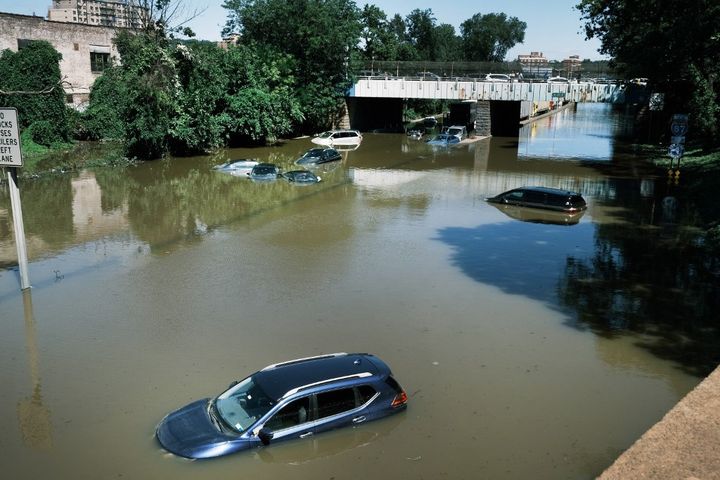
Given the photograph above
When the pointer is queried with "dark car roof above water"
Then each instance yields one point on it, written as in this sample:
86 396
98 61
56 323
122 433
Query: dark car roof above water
278 380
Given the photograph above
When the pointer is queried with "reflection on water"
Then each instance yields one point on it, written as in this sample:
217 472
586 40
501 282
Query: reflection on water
515 334
33 415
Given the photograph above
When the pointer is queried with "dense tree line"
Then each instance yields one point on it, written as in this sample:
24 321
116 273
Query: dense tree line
674 43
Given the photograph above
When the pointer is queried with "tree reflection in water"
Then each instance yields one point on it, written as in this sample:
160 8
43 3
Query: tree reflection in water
613 278
657 282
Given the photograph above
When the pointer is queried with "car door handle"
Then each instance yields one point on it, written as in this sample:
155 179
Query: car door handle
306 434
359 419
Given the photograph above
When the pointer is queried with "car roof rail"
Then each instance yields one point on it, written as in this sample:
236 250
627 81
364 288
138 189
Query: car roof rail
304 359
328 380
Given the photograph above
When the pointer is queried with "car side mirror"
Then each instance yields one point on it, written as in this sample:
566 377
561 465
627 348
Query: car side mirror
265 435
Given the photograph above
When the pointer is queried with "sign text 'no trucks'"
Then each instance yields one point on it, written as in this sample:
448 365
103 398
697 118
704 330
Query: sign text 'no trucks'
10 155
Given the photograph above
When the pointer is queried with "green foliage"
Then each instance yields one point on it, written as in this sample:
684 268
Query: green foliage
674 43
320 35
102 118
33 69
487 38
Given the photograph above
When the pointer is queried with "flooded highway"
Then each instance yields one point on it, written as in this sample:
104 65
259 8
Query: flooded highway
529 347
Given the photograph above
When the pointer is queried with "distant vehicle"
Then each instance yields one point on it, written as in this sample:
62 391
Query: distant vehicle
558 80
542 197
238 168
537 215
498 78
639 81
429 76
317 156
264 172
415 134
429 122
443 140
301 177
294 399
457 130
338 137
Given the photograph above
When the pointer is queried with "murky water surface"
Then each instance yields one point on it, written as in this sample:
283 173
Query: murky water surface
530 347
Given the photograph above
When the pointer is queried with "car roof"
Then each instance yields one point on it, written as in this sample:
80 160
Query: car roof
279 379
550 190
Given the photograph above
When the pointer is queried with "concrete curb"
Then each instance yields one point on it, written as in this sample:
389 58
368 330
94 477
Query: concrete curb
684 445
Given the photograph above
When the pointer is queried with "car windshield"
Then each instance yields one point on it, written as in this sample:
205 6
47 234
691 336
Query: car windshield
243 405
325 134
263 170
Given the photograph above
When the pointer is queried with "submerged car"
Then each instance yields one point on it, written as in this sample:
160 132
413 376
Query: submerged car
444 140
238 168
294 399
338 137
264 172
458 130
542 197
317 156
301 177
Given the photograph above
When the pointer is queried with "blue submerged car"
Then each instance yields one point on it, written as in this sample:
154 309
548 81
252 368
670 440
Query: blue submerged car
294 399
444 140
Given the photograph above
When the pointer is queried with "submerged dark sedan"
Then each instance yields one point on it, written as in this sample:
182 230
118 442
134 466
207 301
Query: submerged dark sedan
294 399
317 156
542 197
303 177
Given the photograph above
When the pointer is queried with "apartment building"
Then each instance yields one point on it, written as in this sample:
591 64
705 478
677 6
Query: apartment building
116 14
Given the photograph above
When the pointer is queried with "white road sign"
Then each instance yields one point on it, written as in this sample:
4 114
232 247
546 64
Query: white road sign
10 155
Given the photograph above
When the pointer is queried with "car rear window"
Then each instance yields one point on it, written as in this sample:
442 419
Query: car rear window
577 201
392 383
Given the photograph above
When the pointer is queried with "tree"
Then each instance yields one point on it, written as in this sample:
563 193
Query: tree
487 38
447 45
676 44
166 18
31 83
320 35
421 33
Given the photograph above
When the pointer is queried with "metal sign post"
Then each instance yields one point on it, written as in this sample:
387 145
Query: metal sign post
678 129
11 157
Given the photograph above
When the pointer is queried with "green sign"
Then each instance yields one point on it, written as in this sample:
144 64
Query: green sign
558 95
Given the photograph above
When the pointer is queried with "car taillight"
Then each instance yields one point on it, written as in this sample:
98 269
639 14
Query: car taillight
399 400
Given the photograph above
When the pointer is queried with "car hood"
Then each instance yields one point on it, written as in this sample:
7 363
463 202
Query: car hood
189 432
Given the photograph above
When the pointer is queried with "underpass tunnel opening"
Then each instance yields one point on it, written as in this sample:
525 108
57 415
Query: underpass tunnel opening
376 114
505 118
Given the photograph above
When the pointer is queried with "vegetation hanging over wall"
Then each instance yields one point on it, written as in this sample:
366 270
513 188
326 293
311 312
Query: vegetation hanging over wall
31 80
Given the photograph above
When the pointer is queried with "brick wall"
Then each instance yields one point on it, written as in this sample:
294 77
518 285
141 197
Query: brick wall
74 41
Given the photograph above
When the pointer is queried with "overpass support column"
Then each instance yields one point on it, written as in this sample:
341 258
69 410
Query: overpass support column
483 124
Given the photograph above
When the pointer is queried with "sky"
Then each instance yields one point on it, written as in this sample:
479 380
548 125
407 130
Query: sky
553 26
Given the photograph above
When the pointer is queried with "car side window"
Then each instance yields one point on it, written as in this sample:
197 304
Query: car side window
334 402
365 393
292 414
514 196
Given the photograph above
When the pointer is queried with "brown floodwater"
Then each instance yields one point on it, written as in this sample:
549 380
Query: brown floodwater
522 356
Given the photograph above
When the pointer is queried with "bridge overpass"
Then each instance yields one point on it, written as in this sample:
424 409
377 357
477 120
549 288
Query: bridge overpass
475 89
497 108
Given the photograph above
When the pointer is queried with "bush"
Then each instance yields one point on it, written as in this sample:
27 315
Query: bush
36 68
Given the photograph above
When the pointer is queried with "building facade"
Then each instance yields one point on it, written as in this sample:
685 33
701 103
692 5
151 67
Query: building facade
535 65
86 49
572 66
119 14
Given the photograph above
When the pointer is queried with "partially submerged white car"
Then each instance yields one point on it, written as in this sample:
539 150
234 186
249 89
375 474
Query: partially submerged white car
338 137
